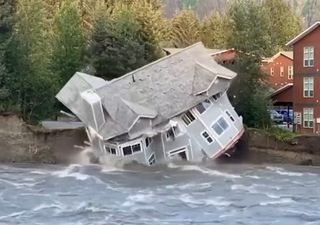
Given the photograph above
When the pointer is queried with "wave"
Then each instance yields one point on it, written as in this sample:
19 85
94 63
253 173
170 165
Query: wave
283 172
278 202
69 172
203 170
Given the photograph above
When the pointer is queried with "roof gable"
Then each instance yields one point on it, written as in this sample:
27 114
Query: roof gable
303 34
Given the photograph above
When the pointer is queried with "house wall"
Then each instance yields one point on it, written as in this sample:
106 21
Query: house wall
276 81
300 102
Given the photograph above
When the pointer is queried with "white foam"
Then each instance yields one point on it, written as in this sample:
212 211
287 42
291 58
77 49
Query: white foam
14 214
204 171
283 172
68 172
47 206
281 201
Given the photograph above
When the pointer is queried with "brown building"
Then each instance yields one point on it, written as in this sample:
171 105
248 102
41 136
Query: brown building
279 69
306 89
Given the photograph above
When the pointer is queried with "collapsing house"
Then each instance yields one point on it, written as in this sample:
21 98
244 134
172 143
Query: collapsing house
173 108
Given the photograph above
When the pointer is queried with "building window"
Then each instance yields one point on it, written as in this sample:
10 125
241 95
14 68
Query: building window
308 87
110 150
230 116
308 117
215 97
207 137
187 118
290 72
170 134
220 126
152 159
148 141
281 71
308 57
203 106
271 71
129 150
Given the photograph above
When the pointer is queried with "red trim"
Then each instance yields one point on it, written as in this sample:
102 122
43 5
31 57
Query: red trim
230 145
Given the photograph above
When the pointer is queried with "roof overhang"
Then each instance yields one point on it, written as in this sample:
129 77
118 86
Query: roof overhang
304 33
281 90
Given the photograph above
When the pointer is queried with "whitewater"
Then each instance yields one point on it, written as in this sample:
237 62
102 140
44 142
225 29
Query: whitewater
168 194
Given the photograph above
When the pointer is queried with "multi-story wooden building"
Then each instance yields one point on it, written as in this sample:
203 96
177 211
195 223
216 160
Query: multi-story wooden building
279 69
306 88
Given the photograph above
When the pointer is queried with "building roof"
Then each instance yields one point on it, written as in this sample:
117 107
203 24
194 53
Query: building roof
157 91
288 54
211 51
282 89
303 34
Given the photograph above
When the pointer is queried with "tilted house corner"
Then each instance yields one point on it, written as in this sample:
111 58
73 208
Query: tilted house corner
173 108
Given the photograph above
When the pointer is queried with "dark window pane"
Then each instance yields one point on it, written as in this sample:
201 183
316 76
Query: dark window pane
201 109
217 128
136 148
113 151
205 134
223 123
209 139
127 150
190 116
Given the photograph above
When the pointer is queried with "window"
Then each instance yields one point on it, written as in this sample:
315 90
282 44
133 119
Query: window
271 71
207 137
308 117
308 57
290 72
308 87
215 97
220 126
170 134
110 150
230 116
129 150
187 118
281 71
201 107
148 141
152 160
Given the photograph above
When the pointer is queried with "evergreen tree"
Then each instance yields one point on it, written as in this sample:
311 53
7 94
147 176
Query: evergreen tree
116 46
29 60
251 40
185 29
69 42
283 23
6 26
215 30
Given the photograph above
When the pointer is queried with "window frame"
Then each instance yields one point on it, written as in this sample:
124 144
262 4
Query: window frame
290 72
185 115
308 56
223 130
131 148
208 137
281 71
271 71
153 158
230 116
309 91
308 117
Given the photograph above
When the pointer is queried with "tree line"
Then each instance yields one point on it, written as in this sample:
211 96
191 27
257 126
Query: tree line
44 42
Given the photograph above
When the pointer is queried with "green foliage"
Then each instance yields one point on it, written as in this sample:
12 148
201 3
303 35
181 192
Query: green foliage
34 86
185 29
280 133
69 42
215 31
116 47
6 27
284 24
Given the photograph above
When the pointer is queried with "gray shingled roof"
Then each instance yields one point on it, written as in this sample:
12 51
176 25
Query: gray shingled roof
155 92
164 88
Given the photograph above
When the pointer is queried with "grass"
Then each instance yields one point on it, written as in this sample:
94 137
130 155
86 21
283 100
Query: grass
279 133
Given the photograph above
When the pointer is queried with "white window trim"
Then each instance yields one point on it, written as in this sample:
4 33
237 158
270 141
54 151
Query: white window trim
309 59
271 71
281 71
304 90
155 159
303 122
219 135
205 131
290 72
130 144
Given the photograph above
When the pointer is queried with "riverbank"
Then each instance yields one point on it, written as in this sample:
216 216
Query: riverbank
22 143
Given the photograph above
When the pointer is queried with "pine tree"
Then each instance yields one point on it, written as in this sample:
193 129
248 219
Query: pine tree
251 40
284 24
185 29
29 60
215 30
69 42
116 46
6 27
